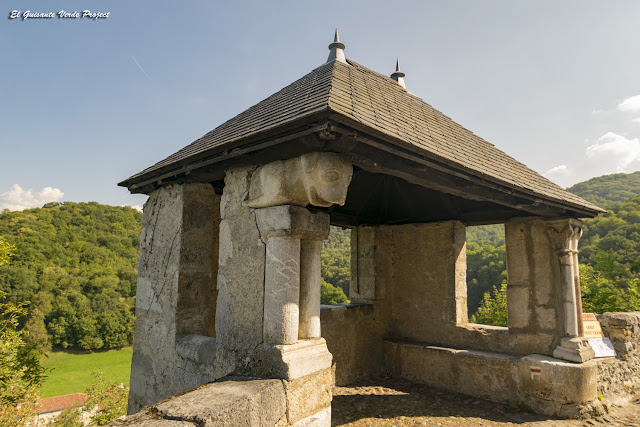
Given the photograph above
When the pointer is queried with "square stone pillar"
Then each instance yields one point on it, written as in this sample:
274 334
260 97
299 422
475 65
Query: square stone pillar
176 289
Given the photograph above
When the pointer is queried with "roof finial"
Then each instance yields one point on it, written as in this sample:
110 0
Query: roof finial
336 50
398 75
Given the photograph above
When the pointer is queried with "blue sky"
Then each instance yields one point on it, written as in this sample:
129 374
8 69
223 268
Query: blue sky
87 103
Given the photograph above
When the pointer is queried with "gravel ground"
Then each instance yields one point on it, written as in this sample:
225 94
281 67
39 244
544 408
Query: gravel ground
393 402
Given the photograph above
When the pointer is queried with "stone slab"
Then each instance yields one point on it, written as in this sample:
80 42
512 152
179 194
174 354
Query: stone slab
235 402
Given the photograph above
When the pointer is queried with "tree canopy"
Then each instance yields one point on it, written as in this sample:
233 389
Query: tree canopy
77 264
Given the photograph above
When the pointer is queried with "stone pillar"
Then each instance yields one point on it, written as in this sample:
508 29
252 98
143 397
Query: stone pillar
564 234
293 349
292 234
175 290
282 290
310 281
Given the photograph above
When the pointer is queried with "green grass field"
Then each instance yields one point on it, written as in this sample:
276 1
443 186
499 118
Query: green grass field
71 372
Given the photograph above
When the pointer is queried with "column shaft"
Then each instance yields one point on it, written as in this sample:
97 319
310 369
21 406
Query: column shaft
310 280
282 290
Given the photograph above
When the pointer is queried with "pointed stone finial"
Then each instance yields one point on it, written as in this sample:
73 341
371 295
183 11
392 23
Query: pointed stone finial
336 50
398 75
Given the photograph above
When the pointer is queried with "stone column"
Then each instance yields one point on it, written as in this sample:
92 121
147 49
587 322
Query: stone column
293 237
282 290
564 234
310 280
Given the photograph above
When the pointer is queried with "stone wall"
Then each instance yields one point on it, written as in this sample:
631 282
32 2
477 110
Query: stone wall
549 386
176 287
619 377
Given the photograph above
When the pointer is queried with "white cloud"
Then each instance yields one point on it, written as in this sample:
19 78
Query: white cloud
136 207
636 120
630 104
17 199
615 153
558 171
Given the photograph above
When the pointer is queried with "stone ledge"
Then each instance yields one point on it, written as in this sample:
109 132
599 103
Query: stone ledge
234 401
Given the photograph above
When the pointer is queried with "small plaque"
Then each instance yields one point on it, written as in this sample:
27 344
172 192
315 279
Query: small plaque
602 347
591 326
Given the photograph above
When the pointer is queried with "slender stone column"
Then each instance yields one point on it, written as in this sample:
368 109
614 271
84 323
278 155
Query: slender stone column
281 290
566 241
310 280
565 233
292 272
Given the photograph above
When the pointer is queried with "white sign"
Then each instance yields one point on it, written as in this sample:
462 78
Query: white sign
602 347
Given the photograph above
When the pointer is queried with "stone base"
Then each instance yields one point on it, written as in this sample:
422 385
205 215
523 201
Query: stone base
574 350
292 361
320 419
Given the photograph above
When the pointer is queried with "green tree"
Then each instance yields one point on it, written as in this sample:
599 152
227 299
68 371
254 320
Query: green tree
329 294
20 372
493 308
107 398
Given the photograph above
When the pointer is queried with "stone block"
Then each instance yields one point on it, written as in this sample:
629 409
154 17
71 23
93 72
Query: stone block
555 380
287 220
320 419
229 403
518 308
292 361
308 395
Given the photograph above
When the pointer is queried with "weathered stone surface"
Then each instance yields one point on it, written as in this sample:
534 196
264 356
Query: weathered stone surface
619 377
292 361
554 380
310 288
176 286
239 325
229 403
491 376
290 221
425 261
319 179
354 338
197 348
320 419
363 266
282 290
144 419
308 395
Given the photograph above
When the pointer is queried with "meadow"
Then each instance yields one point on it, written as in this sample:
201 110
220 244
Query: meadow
71 371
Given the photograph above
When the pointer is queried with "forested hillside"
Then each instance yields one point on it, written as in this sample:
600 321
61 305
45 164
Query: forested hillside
609 252
607 190
77 264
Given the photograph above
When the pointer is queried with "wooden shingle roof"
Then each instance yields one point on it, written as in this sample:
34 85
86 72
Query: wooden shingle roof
376 102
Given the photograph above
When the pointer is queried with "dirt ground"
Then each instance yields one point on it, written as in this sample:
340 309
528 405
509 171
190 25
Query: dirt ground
393 402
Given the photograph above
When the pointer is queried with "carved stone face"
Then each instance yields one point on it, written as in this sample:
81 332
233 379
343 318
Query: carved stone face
327 178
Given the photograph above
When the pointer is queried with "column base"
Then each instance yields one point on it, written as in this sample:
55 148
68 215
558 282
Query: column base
574 350
292 361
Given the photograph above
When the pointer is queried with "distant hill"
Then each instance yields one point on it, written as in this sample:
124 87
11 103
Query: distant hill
608 190
77 264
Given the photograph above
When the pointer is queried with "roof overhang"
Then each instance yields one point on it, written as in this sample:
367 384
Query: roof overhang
368 150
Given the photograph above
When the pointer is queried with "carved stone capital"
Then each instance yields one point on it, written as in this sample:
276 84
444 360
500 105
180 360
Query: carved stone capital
564 234
317 178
